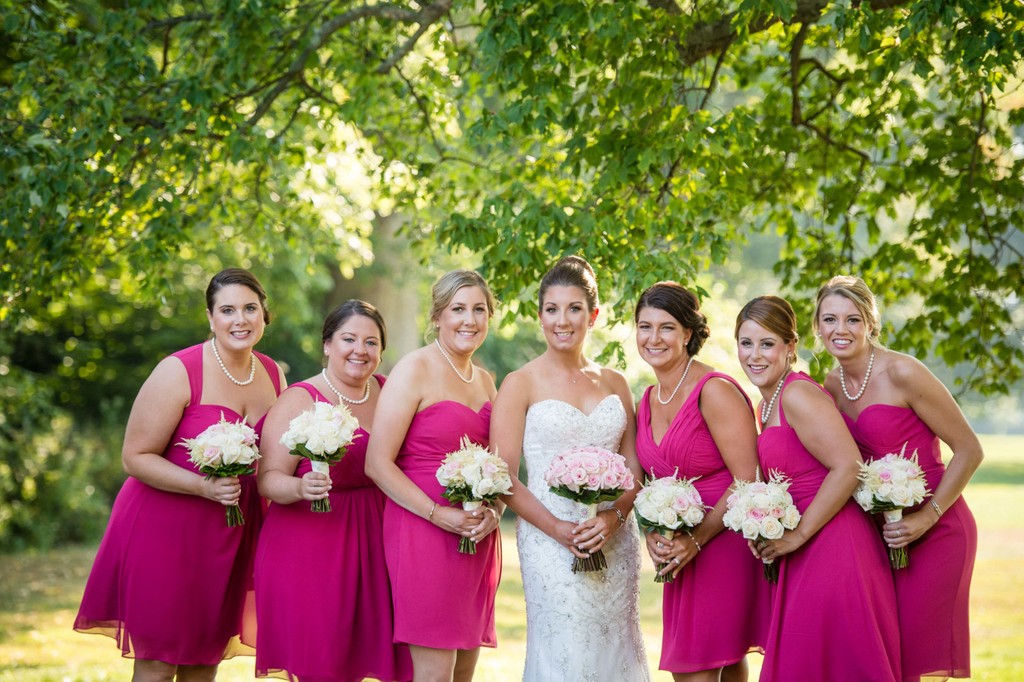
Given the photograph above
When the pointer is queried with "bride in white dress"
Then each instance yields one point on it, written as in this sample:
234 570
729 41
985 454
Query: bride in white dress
582 627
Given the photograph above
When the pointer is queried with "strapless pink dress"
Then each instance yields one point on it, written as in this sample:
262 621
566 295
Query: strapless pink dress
834 607
171 581
322 595
932 593
442 599
716 610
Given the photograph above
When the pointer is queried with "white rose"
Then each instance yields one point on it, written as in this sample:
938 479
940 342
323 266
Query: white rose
750 528
864 497
668 518
693 516
771 528
791 517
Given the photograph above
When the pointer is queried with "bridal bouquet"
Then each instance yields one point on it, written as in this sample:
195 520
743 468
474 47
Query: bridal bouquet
473 475
224 449
589 475
888 485
321 435
667 505
762 510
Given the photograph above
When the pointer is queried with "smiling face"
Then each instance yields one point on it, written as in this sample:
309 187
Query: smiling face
462 324
564 317
661 338
764 356
353 351
236 318
842 326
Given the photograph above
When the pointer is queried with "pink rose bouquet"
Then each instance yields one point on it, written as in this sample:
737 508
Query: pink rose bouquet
762 510
473 475
322 435
224 449
889 485
668 505
589 475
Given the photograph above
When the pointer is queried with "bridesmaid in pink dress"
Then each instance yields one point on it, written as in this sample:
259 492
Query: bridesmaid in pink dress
890 400
716 608
443 600
323 600
171 579
833 612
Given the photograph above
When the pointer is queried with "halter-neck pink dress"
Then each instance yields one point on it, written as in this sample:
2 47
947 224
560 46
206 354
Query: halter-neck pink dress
932 593
442 599
171 581
833 609
716 610
322 595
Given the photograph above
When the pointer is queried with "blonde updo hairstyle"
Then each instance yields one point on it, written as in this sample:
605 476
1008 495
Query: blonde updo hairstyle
774 314
448 285
856 291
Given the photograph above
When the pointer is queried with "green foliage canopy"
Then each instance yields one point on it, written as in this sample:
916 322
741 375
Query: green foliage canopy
880 138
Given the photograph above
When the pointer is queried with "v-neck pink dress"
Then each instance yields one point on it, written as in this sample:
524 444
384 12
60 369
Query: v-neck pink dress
171 581
932 593
442 599
716 610
322 593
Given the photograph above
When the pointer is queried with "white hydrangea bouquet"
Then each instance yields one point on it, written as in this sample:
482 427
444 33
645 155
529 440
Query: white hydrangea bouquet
589 475
473 475
762 510
224 449
667 505
889 485
321 434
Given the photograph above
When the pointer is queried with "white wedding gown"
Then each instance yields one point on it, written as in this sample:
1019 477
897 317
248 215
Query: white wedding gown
582 627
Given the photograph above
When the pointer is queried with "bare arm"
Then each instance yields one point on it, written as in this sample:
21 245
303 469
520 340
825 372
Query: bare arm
154 418
508 422
731 424
821 430
934 404
397 404
593 533
276 477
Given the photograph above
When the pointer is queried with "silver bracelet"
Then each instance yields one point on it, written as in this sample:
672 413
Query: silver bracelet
618 514
935 506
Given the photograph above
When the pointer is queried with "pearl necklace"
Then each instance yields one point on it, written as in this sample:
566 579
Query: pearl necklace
366 395
676 389
765 414
252 367
863 385
472 367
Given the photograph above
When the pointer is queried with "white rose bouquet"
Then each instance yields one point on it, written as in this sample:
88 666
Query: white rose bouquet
589 475
668 505
762 510
889 485
321 435
473 475
224 449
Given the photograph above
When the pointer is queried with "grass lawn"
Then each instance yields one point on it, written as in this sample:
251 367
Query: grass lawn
39 595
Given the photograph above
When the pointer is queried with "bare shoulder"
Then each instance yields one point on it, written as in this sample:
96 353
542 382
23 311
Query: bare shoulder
719 390
168 382
906 371
831 382
806 398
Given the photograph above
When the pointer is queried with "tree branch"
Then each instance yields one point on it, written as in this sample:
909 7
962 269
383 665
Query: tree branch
709 37
381 11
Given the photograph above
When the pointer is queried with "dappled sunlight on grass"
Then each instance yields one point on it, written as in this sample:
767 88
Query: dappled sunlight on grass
39 595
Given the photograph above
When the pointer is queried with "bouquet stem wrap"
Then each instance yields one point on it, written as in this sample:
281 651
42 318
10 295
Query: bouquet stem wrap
898 557
667 577
324 505
596 561
771 570
468 545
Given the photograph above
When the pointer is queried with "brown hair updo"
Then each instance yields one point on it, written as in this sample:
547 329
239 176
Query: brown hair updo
680 303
